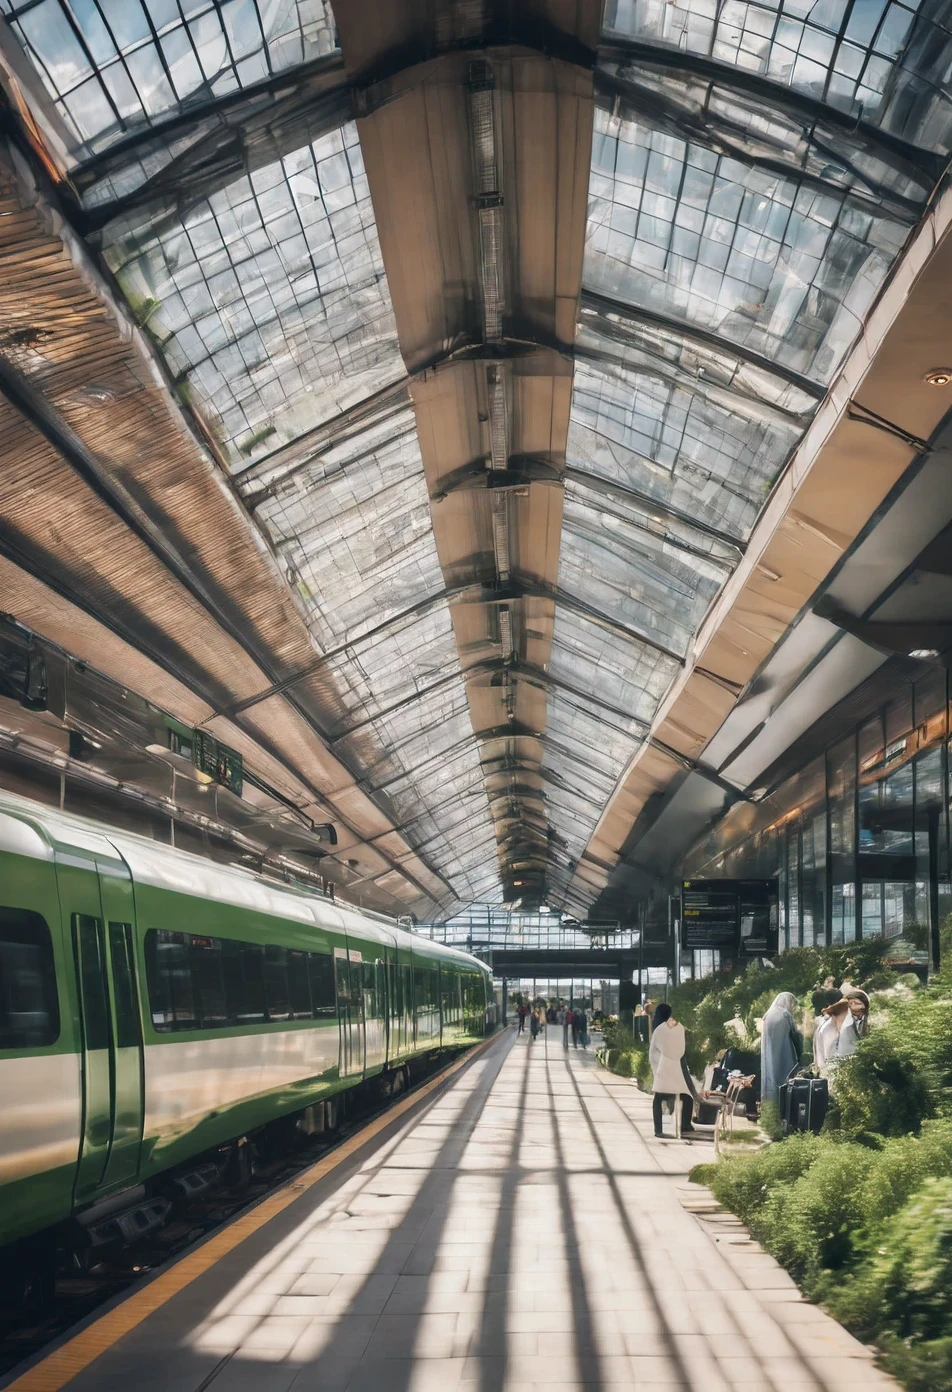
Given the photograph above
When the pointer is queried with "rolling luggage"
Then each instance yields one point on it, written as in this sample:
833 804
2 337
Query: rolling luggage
803 1104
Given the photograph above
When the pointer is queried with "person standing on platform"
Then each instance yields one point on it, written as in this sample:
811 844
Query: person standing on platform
522 1018
534 1025
781 1045
580 1028
575 1018
669 1066
566 1026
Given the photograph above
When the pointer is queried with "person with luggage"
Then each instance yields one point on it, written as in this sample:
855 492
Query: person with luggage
672 1081
781 1047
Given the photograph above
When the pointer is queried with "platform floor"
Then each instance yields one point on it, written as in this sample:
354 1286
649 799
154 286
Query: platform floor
523 1230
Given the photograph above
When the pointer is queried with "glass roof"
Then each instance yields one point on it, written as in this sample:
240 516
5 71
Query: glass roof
114 66
268 299
269 303
756 171
877 60
734 248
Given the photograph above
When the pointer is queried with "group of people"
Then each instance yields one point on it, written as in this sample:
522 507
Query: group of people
837 1031
839 1027
573 1019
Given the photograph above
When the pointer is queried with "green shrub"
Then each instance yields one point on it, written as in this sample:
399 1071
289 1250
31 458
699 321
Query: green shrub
815 1225
921 1367
623 1065
904 1288
744 1184
901 1074
900 1168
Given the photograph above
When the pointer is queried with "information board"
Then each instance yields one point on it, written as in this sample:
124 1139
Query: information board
738 917
709 915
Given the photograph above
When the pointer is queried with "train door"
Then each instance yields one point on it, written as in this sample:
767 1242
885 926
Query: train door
347 966
127 1060
100 916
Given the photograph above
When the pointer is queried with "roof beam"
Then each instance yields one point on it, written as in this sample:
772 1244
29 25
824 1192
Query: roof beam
254 129
517 589
716 133
660 511
604 305
905 156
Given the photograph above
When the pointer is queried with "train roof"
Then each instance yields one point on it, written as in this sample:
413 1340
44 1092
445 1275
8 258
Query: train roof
30 828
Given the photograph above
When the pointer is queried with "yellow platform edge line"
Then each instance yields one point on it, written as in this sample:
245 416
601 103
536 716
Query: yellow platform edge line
63 1364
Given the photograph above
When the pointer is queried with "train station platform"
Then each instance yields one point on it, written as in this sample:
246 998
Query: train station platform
518 1228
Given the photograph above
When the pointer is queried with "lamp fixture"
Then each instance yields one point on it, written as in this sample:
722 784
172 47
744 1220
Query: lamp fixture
939 377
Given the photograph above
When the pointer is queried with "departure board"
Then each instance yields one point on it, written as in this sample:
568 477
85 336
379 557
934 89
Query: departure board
709 915
738 917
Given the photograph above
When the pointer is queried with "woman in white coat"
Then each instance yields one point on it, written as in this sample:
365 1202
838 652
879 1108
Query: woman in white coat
671 1078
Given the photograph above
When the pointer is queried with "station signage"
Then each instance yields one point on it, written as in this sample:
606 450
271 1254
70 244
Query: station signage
737 917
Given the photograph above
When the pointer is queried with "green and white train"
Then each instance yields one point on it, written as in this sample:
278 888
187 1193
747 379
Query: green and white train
157 1009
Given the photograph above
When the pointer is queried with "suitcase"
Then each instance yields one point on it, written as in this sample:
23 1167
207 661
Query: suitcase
803 1104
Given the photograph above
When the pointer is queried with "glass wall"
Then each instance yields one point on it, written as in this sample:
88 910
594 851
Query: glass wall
858 841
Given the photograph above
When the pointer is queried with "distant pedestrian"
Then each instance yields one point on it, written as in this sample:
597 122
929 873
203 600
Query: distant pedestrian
522 1018
566 1026
534 1025
575 1019
581 1029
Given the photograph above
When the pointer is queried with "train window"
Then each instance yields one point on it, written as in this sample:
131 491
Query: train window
276 982
248 1005
97 1027
123 982
208 982
299 986
320 969
169 977
342 975
369 985
29 1010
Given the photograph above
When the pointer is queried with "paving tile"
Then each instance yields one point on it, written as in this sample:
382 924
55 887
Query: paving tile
530 1250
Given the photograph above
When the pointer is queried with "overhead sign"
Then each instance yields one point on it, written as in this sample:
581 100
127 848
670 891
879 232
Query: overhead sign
734 916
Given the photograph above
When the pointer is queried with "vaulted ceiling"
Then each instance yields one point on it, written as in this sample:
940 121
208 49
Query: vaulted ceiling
412 392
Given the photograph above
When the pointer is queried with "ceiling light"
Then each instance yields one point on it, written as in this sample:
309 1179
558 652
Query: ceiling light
924 652
939 377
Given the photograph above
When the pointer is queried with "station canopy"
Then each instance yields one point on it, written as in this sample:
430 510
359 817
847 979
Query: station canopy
501 333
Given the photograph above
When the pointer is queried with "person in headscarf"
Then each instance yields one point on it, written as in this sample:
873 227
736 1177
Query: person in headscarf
671 1079
781 1046
844 1024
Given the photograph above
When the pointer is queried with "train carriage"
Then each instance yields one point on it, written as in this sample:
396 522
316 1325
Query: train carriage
156 1009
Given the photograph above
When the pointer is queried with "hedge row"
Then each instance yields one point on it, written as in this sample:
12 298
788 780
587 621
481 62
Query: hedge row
862 1214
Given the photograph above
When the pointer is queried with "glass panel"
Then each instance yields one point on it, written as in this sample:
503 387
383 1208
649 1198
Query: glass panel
208 983
123 979
872 908
882 63
320 966
299 986
276 989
